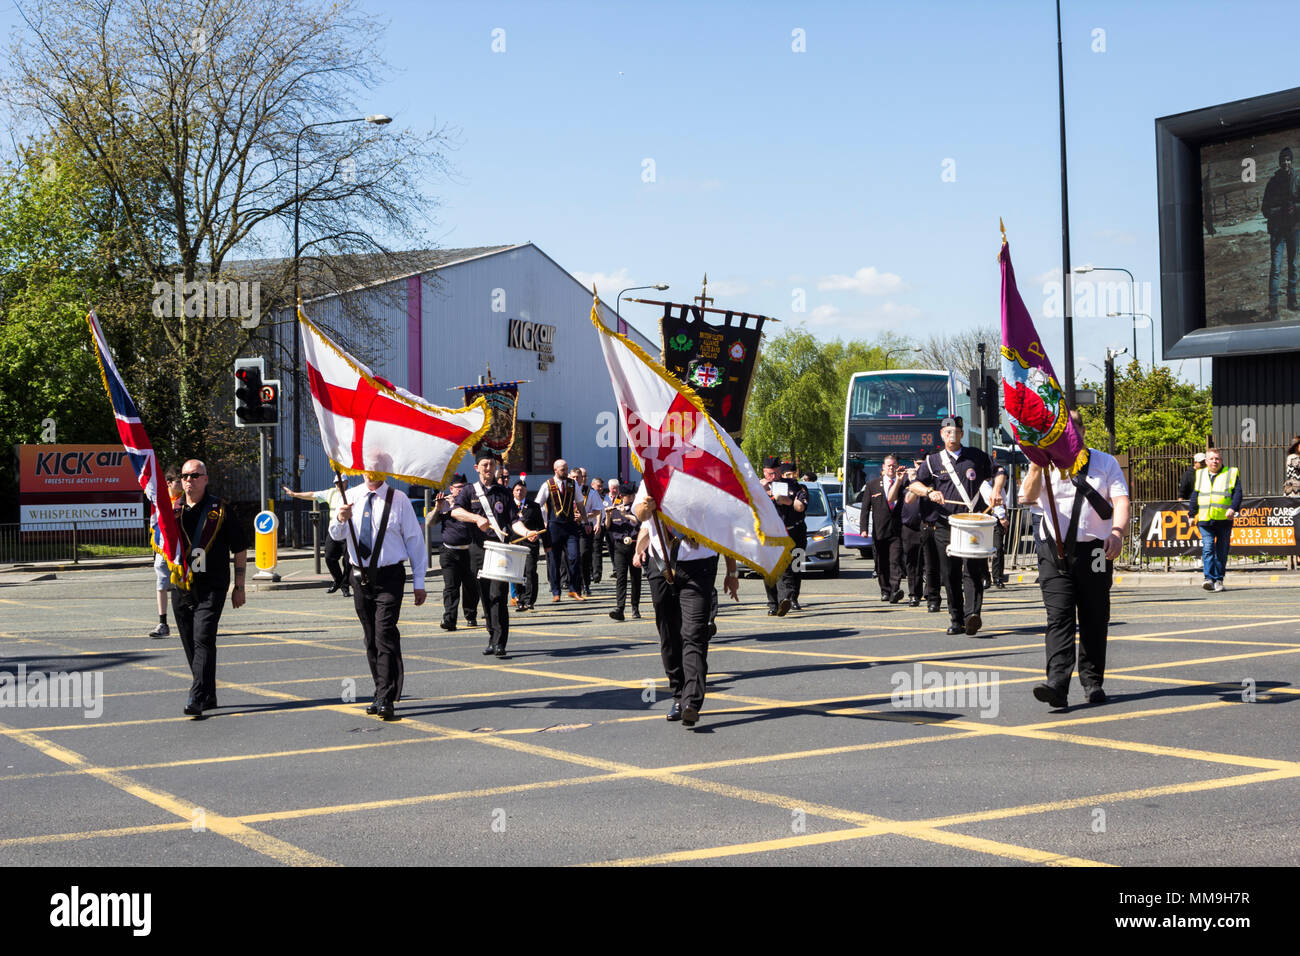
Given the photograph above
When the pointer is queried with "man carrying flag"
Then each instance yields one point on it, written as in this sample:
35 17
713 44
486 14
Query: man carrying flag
697 482
1079 489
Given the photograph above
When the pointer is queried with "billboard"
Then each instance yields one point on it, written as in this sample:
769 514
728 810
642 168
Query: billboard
93 486
1264 526
1229 227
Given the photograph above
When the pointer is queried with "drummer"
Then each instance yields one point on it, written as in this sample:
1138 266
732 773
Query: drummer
485 506
959 480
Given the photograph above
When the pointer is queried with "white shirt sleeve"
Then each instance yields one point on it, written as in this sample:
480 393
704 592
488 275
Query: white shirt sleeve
413 536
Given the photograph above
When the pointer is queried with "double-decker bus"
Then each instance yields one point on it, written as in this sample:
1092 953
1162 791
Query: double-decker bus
896 411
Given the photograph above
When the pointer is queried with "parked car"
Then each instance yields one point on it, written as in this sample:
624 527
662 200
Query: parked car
823 550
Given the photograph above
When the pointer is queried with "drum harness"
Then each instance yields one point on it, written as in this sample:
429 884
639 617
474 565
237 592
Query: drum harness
487 510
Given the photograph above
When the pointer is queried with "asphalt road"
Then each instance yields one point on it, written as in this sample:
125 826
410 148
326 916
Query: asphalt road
809 751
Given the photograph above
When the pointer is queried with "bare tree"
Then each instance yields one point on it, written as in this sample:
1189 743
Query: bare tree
959 352
190 111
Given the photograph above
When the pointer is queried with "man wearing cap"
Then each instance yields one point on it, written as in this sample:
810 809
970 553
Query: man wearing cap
791 507
623 528
1188 482
382 534
952 479
459 586
1279 207
485 507
1215 501
1092 512
527 513
564 514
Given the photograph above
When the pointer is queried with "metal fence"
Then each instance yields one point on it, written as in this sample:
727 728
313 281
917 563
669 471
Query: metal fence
73 544
1154 471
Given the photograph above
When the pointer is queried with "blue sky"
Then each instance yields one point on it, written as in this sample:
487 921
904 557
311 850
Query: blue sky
822 170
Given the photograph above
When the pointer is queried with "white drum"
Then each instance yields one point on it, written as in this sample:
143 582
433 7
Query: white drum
972 536
504 562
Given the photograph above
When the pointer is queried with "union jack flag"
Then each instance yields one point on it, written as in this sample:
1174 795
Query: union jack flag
166 537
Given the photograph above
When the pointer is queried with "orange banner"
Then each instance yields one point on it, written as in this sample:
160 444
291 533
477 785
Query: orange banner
75 470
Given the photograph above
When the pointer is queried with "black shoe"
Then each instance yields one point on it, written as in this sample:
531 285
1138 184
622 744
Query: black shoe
616 614
896 597
1096 695
783 608
636 613
771 611
690 715
471 621
194 707
373 708
932 606
347 591
447 627
956 629
884 599
524 607
210 703
386 712
1049 695
973 624
333 588
490 649
710 631
501 652
795 605
915 602
675 711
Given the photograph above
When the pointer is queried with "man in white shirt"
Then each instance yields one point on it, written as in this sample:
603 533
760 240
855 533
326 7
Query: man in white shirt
1093 514
682 607
382 533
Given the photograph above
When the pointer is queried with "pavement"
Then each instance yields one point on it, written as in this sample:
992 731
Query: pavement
852 732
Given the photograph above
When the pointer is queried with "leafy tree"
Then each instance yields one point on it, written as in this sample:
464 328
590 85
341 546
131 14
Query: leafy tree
1151 408
959 351
793 410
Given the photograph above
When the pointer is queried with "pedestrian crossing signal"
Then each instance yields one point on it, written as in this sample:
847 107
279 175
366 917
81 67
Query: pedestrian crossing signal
257 402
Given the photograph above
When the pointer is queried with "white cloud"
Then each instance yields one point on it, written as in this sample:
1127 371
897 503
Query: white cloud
867 280
831 321
727 287
608 284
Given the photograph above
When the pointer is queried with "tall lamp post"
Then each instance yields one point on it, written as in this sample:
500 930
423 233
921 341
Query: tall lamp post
618 435
1132 291
910 348
1135 316
377 119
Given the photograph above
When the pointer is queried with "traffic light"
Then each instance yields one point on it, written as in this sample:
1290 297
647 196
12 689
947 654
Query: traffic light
990 401
256 401
976 402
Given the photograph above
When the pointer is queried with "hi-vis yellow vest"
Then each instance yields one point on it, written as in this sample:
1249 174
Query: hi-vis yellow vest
1214 495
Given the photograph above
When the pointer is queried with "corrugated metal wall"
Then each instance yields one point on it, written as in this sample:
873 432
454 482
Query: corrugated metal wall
1258 395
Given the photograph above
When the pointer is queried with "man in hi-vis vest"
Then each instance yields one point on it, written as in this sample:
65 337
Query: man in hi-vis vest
1215 501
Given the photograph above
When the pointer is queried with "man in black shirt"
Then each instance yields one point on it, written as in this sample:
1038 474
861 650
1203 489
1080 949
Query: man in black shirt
623 528
485 508
951 479
791 507
453 557
883 497
211 533
528 513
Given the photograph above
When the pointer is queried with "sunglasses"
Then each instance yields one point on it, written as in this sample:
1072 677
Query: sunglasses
193 477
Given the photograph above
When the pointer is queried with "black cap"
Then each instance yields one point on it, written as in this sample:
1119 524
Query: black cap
787 466
519 483
458 479
951 422
771 461
626 488
485 455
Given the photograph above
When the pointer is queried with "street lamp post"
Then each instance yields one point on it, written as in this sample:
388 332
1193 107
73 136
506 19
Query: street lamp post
909 348
378 119
618 435
1132 293
1135 316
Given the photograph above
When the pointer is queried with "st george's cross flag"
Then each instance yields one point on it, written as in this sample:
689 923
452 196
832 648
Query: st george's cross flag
702 484
368 424
166 537
1031 393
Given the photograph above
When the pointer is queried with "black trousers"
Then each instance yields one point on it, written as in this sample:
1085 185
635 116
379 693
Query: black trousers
378 608
563 564
336 559
528 597
586 545
682 612
889 564
930 558
787 585
598 555
1076 590
495 598
997 561
622 567
963 578
459 586
198 627
913 560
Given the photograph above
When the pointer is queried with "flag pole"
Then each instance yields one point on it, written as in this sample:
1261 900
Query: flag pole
1067 292
352 532
1056 523
663 545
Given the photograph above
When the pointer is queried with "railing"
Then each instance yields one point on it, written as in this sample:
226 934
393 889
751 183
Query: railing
75 543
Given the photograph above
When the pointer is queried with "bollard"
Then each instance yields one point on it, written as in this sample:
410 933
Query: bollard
315 536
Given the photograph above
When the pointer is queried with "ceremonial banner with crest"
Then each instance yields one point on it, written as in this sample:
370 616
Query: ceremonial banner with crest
503 400
716 361
702 484
1031 393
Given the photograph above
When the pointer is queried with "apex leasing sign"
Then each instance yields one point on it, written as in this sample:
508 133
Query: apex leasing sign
533 337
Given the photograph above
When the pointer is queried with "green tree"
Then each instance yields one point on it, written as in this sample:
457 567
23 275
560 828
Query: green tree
792 408
1151 408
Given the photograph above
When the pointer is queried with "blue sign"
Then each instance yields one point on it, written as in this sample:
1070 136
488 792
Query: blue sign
264 522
